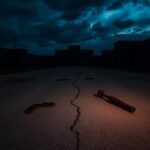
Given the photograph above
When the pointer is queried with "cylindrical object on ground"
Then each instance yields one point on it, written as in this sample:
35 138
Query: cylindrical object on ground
120 103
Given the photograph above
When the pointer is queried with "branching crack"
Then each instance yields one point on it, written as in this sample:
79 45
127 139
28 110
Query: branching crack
76 120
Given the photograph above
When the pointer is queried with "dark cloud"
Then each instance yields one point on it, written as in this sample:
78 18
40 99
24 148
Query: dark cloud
19 8
101 31
145 2
63 33
71 15
72 9
5 34
45 23
137 29
76 32
121 24
74 4
115 5
143 22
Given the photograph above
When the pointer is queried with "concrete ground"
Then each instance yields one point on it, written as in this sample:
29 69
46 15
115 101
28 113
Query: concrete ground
79 121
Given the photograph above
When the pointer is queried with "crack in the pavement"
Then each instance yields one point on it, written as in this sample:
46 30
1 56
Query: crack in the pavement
76 120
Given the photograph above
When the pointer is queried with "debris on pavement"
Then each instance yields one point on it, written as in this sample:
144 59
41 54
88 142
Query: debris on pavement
115 101
34 106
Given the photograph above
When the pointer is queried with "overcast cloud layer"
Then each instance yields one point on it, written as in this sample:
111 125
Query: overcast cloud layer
43 25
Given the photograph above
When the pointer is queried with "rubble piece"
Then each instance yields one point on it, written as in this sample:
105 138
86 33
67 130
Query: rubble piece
115 101
35 106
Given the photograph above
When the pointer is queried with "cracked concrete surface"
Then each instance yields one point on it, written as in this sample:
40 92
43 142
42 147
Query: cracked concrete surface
78 113
102 126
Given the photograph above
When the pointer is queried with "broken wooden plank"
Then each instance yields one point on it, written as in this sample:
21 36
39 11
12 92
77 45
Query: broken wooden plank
115 101
30 109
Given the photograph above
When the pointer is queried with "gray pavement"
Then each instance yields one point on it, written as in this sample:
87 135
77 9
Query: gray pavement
79 121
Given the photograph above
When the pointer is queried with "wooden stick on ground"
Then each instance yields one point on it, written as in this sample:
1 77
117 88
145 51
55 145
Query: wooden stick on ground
35 106
115 101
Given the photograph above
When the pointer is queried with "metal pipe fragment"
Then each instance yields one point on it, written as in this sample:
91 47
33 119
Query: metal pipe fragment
115 101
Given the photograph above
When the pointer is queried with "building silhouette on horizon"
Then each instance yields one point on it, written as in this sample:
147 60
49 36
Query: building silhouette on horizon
10 57
125 54
106 58
74 56
132 54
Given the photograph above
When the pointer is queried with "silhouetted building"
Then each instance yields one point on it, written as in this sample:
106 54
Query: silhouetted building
126 53
144 54
74 56
13 57
132 54
37 60
107 58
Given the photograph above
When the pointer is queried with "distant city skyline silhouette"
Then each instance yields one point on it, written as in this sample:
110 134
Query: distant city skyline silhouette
125 54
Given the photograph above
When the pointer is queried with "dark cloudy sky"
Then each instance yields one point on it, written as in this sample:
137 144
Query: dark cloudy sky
43 25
